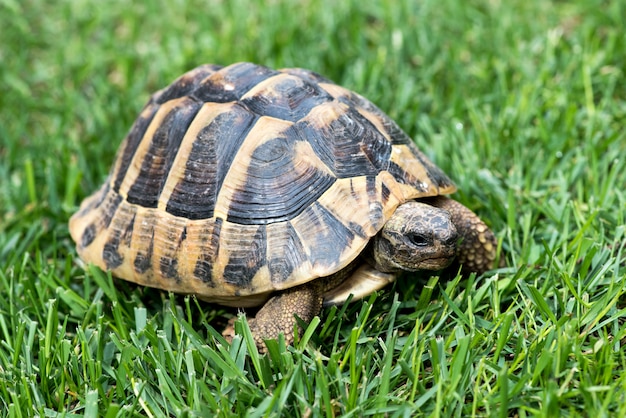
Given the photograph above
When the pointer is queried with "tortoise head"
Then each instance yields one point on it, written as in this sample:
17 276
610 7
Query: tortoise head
418 236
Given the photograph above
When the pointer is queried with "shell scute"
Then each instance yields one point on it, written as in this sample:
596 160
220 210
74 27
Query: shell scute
131 144
325 239
285 253
244 262
345 141
160 152
230 83
185 85
285 97
282 179
208 150
208 239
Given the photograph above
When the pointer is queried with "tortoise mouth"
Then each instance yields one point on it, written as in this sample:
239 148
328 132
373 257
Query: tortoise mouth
435 263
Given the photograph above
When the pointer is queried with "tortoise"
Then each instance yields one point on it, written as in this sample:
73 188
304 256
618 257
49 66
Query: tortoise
248 186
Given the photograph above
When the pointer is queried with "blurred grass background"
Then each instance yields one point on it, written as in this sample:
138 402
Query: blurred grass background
522 103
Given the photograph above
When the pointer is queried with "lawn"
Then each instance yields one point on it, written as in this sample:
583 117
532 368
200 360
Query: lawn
521 102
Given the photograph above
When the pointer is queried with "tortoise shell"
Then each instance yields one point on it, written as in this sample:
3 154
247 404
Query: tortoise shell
238 181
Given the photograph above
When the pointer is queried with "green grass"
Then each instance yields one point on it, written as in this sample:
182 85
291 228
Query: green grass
522 102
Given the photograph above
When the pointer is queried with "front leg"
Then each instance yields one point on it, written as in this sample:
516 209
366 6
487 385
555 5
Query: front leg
277 315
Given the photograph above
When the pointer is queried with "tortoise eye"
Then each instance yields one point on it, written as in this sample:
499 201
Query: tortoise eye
418 240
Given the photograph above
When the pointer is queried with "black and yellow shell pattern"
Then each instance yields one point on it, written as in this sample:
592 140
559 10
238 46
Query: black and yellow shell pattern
238 181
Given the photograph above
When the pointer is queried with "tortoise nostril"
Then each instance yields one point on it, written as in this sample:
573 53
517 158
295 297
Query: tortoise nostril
451 239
